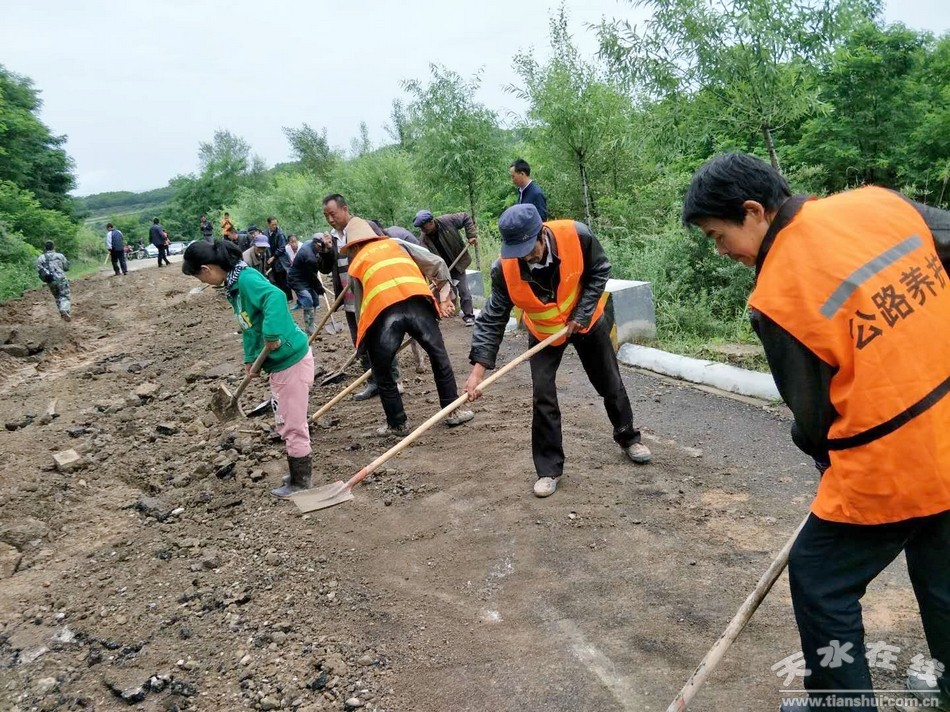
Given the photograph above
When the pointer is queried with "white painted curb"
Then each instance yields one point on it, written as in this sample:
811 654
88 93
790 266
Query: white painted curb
719 375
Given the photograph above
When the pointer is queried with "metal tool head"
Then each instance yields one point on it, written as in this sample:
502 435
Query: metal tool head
224 405
322 497
333 378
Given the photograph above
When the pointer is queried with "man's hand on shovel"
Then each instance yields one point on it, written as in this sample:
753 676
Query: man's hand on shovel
475 379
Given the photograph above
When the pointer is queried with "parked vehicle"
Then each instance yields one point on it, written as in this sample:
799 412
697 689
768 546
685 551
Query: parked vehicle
176 248
136 253
151 250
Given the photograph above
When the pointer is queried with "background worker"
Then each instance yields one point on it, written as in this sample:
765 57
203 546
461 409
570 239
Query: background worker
337 213
258 253
51 267
261 311
528 190
279 260
207 229
851 303
556 272
159 238
304 279
115 243
391 286
441 236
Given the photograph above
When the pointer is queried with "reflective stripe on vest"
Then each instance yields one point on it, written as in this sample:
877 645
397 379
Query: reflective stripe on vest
388 276
856 278
545 318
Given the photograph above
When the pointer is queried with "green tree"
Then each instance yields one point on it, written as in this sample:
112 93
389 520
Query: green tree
380 185
574 114
294 198
30 155
752 61
24 215
456 144
312 150
226 165
868 87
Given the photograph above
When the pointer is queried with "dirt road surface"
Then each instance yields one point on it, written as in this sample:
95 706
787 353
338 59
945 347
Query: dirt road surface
162 575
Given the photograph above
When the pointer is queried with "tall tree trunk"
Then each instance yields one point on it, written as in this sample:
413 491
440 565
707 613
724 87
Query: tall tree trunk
585 188
770 147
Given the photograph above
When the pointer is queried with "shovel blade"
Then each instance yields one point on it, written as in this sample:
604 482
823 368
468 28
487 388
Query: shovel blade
333 378
223 404
322 497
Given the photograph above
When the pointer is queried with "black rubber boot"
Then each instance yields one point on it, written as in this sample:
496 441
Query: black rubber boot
301 470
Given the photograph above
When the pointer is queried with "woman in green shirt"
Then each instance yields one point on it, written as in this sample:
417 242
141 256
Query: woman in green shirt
262 315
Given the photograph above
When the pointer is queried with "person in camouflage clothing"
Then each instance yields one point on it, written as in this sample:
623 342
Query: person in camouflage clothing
51 267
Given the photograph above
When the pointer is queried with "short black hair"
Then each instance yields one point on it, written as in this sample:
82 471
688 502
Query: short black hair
521 166
109 226
270 219
155 221
48 245
722 184
222 253
336 198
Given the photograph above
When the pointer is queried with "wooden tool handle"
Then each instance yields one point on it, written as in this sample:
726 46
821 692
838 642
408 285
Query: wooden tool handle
728 637
442 414
459 256
326 317
255 369
352 387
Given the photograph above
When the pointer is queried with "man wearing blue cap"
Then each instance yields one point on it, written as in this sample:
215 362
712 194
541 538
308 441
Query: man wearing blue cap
556 273
441 236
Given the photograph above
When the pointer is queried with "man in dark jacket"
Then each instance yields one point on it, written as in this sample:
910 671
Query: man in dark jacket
279 260
304 279
116 246
534 273
158 237
206 229
441 236
528 190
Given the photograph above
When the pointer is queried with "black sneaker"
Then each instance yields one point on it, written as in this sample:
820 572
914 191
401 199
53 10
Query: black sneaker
468 320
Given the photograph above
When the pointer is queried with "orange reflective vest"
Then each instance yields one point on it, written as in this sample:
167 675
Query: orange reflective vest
545 318
388 275
856 279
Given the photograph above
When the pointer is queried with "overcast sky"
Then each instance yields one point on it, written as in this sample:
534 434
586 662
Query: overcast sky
137 84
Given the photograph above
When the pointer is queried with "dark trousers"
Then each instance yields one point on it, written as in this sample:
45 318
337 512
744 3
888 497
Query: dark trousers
365 358
416 317
465 294
830 567
596 353
118 261
280 280
163 255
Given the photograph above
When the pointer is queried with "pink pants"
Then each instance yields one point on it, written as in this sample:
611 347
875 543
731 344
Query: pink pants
290 390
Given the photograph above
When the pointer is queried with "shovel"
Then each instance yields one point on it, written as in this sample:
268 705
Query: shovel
224 405
352 387
328 315
339 492
331 328
338 374
743 615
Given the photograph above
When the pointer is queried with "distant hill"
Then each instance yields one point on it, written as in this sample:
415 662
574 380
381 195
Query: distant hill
100 207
